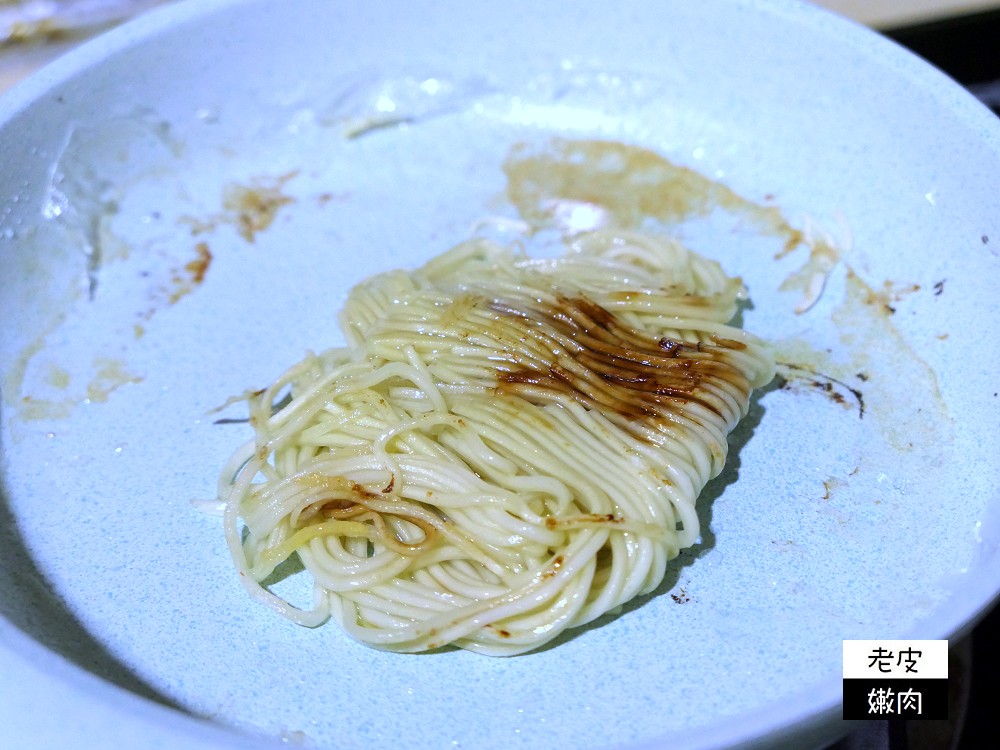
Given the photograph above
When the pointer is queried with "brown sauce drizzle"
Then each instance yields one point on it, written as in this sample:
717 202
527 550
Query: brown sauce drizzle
794 375
556 565
601 362
347 501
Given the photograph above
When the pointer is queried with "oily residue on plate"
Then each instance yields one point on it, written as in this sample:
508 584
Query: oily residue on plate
905 396
106 376
631 184
891 294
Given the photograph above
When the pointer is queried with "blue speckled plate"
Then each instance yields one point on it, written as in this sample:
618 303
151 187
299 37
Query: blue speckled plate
184 203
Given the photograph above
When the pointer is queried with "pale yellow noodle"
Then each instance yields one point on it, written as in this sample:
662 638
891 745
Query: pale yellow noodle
506 448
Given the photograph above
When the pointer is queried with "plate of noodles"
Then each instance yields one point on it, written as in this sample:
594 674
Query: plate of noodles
456 375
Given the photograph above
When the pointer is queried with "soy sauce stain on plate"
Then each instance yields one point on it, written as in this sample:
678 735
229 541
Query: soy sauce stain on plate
630 183
249 208
187 278
252 208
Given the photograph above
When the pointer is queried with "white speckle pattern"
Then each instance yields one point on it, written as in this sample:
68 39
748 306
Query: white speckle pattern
825 526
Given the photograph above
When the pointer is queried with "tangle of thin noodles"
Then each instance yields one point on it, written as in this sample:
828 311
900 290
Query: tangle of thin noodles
506 448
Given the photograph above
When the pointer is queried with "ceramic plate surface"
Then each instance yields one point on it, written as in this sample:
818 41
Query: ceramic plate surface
185 203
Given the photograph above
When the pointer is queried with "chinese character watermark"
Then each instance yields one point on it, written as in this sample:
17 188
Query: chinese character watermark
880 701
882 657
910 656
908 700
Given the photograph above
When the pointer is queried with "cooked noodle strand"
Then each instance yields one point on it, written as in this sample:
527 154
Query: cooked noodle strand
505 449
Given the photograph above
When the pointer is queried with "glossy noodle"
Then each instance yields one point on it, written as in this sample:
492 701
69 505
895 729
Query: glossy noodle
507 447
